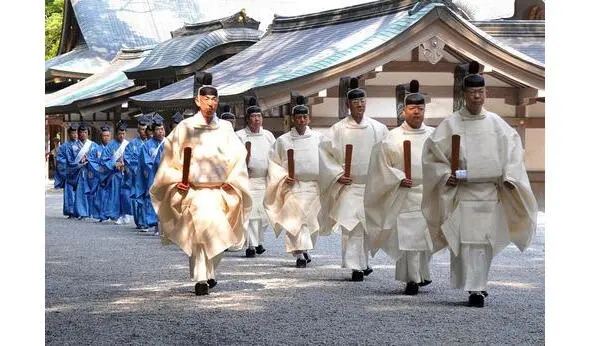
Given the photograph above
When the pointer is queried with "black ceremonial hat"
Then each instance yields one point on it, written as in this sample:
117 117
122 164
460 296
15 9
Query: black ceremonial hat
105 127
354 91
202 85
72 127
227 113
177 117
121 125
473 79
414 97
300 107
251 106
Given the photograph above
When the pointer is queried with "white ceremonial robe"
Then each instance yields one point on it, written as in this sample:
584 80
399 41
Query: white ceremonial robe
479 217
393 214
294 208
207 219
342 205
258 164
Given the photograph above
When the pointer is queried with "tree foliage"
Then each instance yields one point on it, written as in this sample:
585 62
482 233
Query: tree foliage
54 11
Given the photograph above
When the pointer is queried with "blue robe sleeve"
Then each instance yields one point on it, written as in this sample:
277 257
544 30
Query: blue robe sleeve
72 169
60 167
145 168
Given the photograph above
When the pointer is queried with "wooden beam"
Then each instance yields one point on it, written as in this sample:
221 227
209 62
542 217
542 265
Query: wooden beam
418 66
315 100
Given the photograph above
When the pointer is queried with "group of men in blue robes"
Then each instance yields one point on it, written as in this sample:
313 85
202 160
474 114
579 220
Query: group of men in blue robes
111 180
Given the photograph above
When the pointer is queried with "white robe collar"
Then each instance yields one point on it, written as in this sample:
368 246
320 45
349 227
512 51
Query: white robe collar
466 115
352 124
200 122
250 133
410 131
295 135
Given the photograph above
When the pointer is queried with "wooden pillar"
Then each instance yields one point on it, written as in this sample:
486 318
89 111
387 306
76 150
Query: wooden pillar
460 72
520 114
401 90
343 88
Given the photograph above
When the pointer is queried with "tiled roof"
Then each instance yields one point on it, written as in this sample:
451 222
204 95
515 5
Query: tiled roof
289 53
185 50
525 36
111 80
79 60
109 25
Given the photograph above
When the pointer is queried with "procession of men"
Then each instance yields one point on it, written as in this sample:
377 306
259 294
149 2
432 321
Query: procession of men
411 192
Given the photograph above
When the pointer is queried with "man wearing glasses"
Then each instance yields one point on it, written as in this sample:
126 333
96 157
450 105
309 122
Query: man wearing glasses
342 196
487 202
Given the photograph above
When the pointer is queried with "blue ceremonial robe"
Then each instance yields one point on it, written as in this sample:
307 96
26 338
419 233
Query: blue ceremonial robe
59 177
97 190
149 162
131 155
78 176
116 183
62 167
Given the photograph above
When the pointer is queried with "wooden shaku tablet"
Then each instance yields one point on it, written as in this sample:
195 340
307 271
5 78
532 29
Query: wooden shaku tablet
455 153
348 157
290 163
247 145
184 185
407 170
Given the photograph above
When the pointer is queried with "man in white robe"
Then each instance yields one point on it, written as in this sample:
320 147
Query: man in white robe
341 197
393 214
261 141
487 203
293 204
205 216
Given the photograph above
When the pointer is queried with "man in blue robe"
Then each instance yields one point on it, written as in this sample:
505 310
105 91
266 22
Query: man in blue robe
130 158
97 207
149 162
61 171
78 174
118 206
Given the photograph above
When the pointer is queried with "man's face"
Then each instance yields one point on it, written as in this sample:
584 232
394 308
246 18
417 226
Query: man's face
255 121
120 135
300 122
83 135
207 104
414 115
106 137
159 133
475 99
72 135
141 129
356 107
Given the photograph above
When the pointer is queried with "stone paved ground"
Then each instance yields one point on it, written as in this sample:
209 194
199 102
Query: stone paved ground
109 284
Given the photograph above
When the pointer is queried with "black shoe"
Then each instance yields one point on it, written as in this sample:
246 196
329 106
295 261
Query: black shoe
424 283
367 271
201 289
211 283
250 253
300 263
307 257
260 249
412 288
357 275
476 300
484 293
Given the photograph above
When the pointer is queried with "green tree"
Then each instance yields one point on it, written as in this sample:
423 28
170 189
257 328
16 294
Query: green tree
54 12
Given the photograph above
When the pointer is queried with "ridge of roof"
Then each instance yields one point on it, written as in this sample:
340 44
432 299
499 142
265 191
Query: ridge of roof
340 15
236 20
509 28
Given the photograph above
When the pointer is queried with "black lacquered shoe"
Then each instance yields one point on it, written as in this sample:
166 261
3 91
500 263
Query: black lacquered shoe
424 283
307 257
412 288
260 249
300 263
476 300
357 275
250 253
211 283
367 271
201 289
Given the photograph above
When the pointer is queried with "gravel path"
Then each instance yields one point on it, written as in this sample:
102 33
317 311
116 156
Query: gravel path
109 284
